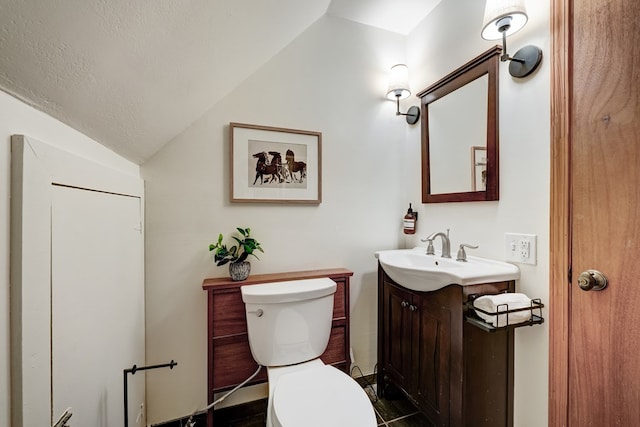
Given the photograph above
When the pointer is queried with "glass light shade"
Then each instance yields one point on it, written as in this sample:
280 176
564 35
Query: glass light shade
497 10
398 82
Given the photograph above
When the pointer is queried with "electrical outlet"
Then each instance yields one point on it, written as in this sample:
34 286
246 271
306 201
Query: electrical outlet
525 246
520 248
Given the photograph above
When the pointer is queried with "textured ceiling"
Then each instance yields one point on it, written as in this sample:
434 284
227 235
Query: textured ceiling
134 74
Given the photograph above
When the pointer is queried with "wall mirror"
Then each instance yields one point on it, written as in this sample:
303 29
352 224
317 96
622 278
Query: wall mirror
460 133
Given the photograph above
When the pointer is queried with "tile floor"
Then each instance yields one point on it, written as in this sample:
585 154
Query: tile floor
389 413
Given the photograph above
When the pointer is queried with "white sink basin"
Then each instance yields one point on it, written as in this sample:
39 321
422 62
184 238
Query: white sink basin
415 270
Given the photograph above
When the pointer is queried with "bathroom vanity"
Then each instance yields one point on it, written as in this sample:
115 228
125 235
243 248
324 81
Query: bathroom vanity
456 373
229 357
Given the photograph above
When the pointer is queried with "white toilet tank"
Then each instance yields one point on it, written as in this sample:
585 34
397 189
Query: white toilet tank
289 322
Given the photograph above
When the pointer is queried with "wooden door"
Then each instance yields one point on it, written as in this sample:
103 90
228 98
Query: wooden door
595 335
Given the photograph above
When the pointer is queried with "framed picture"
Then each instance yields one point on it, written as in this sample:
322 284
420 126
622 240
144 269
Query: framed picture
270 164
478 168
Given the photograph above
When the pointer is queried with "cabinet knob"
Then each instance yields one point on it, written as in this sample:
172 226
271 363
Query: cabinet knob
413 307
404 304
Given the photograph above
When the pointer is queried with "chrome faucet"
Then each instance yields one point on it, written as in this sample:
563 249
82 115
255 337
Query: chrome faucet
446 244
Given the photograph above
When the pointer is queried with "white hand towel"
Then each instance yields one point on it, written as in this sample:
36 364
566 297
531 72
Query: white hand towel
494 304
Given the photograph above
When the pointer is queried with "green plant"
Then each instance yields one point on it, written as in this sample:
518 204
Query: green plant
245 245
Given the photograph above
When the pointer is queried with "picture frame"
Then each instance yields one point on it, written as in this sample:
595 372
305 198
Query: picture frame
478 168
275 165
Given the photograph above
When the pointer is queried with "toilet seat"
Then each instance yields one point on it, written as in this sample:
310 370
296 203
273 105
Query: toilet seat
320 397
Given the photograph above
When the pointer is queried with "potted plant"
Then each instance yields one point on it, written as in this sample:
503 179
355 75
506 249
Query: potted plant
237 254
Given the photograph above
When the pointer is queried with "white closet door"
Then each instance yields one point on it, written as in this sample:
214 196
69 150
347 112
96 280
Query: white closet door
97 312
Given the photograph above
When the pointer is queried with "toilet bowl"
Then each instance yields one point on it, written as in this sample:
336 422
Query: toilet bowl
318 395
289 324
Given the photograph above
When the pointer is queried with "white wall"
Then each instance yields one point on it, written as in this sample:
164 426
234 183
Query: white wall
435 48
19 118
331 79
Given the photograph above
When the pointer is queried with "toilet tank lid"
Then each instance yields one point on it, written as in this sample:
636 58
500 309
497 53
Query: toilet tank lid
289 291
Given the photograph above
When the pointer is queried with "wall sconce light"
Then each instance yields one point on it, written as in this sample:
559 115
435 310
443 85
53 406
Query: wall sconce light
399 89
503 18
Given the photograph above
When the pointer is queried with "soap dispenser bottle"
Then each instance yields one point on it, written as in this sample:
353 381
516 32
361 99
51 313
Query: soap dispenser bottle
409 221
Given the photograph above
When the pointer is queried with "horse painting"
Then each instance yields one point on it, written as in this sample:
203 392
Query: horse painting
295 167
265 167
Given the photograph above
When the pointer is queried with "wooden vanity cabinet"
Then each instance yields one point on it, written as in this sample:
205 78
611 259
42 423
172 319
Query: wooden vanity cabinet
454 372
421 371
229 356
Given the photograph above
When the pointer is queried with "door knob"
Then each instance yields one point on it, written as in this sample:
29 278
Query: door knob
592 280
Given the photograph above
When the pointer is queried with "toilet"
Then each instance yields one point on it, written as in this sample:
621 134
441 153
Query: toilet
289 324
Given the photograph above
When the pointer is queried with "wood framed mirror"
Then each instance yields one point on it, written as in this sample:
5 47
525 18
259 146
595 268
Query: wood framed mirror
460 133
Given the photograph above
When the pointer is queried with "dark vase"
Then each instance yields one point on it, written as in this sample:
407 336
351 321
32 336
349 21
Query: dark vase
239 270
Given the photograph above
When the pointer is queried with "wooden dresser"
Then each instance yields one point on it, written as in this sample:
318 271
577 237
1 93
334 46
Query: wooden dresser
229 356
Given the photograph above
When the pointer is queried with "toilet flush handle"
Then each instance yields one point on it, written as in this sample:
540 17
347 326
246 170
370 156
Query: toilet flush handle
257 312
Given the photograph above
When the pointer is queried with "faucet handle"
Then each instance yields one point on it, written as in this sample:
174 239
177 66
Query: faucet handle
462 255
430 249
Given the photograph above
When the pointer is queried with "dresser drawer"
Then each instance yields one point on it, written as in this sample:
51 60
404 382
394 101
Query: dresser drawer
336 351
229 316
233 362
340 300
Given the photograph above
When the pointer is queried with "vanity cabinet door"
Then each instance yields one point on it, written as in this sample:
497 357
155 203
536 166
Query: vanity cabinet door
432 359
417 348
397 330
418 335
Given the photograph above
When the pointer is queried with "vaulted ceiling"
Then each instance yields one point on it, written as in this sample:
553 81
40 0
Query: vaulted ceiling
134 74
